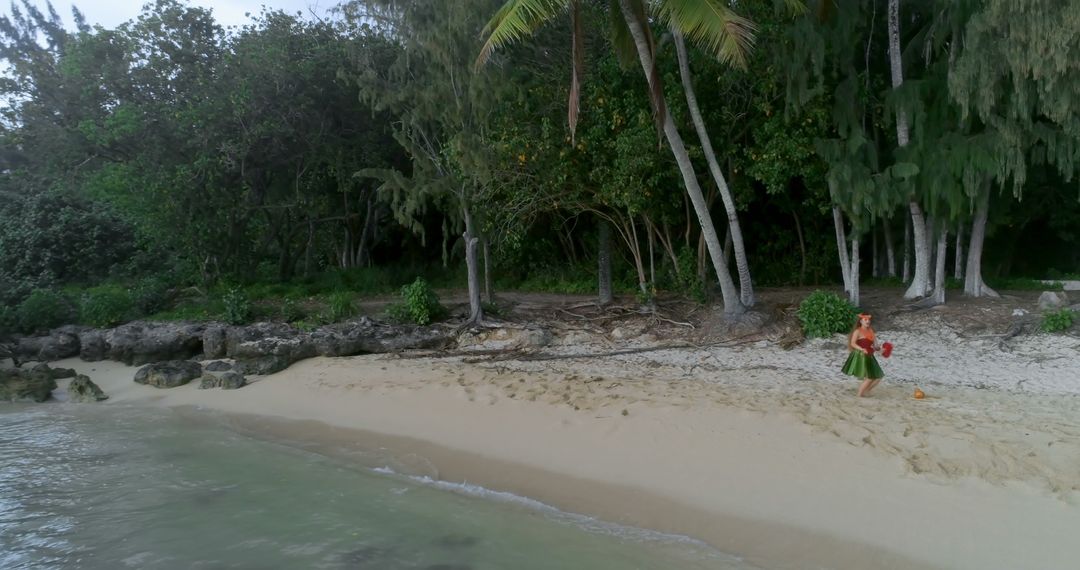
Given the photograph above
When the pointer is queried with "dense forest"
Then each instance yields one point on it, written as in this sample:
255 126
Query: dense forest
697 147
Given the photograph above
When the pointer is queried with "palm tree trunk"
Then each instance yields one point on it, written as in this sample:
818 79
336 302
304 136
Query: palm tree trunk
732 303
489 286
939 269
890 250
853 294
973 281
604 263
958 261
919 285
841 246
746 286
907 249
476 310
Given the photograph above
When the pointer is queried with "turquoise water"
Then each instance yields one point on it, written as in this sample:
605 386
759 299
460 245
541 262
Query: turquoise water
84 486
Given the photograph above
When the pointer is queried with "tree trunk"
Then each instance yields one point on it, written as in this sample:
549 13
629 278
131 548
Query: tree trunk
841 246
920 284
958 256
746 286
727 248
732 303
489 288
476 310
652 255
604 263
853 294
907 249
362 254
875 265
309 246
890 251
802 247
939 269
973 281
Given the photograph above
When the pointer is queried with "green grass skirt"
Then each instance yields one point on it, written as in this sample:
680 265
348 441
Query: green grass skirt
862 365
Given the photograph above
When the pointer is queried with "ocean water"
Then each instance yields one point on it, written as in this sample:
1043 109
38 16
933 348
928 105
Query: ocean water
106 487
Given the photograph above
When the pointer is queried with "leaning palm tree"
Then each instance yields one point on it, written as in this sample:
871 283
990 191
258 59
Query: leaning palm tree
710 24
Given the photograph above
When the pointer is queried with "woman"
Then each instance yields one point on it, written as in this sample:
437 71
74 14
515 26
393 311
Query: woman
861 362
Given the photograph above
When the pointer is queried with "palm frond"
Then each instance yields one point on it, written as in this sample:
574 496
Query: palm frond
516 20
711 25
577 67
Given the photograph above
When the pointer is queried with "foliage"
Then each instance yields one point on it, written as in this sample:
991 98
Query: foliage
290 310
150 295
237 306
105 306
1057 321
42 310
419 304
823 314
8 320
340 306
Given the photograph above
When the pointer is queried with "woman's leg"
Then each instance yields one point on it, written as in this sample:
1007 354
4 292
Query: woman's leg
865 387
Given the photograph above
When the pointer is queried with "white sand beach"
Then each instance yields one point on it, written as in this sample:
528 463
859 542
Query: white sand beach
763 453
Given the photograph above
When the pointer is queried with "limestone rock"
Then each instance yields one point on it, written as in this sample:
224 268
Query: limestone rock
83 390
169 374
25 386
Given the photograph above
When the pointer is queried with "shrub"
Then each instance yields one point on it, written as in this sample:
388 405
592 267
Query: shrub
43 310
291 311
823 314
339 307
150 295
105 306
237 306
419 304
8 320
1057 321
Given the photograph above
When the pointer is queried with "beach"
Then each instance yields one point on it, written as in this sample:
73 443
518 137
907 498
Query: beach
762 453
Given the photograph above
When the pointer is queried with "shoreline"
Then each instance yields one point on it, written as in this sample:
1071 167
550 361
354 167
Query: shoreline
692 462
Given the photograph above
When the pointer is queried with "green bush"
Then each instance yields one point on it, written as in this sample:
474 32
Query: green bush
43 310
150 295
419 304
339 307
8 320
237 306
290 311
823 314
1057 321
105 306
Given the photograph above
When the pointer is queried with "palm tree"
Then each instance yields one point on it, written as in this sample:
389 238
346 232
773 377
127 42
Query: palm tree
710 24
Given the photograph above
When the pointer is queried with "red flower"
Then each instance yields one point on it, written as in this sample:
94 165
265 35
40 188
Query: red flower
886 349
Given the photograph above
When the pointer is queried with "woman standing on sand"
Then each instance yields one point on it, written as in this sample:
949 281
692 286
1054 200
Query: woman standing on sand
861 362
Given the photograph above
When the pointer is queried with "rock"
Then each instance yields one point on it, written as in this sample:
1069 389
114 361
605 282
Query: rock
227 380
1053 300
57 345
268 339
25 386
262 365
54 373
213 340
140 342
1019 312
217 366
83 390
618 333
504 337
343 339
92 346
169 374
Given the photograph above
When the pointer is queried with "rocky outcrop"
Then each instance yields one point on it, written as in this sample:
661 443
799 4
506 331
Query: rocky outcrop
225 379
140 343
83 390
265 348
92 345
58 344
169 374
213 340
1053 300
25 385
54 373
261 348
